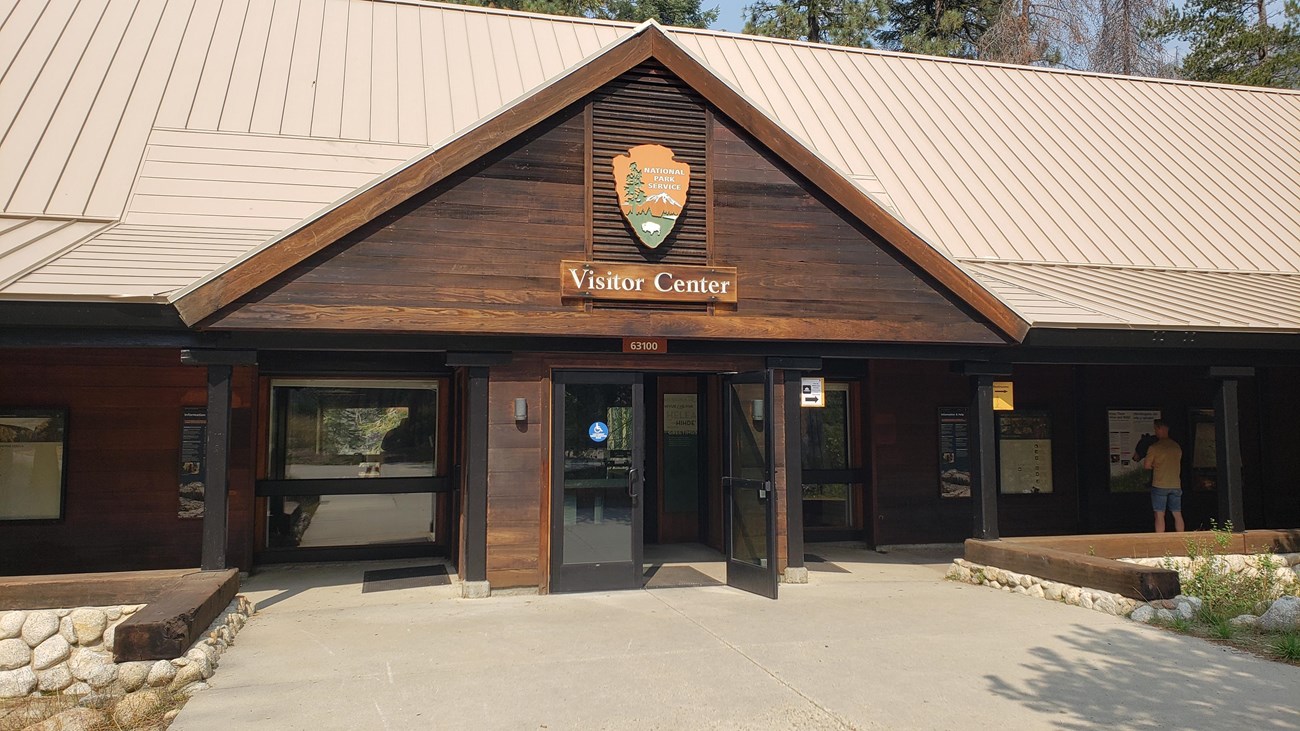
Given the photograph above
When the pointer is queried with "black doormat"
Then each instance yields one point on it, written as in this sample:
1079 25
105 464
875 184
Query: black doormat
410 577
813 562
677 577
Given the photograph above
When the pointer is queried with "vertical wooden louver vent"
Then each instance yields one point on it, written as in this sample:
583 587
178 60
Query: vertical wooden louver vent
648 105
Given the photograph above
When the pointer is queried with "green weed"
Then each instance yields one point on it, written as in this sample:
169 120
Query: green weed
1287 646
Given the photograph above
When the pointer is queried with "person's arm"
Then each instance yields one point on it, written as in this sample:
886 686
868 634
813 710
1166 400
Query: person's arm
1150 462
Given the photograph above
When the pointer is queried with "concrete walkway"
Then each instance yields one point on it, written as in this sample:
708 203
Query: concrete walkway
888 645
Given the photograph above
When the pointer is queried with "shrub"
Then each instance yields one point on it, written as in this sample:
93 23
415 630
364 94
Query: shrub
1226 593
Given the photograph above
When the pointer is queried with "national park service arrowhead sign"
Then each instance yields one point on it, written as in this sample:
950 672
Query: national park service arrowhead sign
651 189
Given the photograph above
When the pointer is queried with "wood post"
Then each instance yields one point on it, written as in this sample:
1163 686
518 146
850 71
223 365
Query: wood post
474 500
216 497
1227 444
793 469
983 459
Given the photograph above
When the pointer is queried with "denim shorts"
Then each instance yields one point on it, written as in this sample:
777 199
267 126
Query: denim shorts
1164 499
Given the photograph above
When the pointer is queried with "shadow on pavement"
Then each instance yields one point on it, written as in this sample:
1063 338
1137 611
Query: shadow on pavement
1122 679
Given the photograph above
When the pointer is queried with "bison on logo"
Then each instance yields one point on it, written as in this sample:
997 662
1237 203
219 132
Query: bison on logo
651 189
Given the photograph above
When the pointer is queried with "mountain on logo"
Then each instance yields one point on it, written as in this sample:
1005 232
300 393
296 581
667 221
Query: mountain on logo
663 198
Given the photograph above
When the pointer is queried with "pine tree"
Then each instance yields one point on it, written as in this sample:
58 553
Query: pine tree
687 13
938 27
1236 42
1038 32
635 190
841 22
1124 43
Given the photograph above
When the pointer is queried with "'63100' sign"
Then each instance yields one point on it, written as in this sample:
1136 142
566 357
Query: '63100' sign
646 282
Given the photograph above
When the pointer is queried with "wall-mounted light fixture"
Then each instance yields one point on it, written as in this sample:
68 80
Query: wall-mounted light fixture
758 410
521 409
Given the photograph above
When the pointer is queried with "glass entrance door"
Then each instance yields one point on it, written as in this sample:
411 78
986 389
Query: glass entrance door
748 478
596 475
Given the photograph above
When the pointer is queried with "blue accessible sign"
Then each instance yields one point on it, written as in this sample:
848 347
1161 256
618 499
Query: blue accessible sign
599 431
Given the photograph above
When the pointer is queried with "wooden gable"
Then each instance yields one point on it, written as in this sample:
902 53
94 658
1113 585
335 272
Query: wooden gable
480 251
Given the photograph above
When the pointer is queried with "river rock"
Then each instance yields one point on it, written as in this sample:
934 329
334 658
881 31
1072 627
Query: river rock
1107 604
53 679
88 625
103 676
1283 616
1143 614
1165 615
79 718
189 690
86 662
1244 620
66 631
14 653
17 683
132 675
135 709
39 627
190 673
11 624
50 652
161 673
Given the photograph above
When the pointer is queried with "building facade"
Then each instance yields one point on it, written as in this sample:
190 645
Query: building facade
622 297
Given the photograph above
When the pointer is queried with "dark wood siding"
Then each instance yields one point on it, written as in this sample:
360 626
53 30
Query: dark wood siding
648 106
481 251
905 396
124 431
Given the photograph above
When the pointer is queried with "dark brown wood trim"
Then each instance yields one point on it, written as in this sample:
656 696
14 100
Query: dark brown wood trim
839 188
383 196
313 236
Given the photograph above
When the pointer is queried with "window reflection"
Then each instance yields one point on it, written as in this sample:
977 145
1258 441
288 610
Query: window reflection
825 434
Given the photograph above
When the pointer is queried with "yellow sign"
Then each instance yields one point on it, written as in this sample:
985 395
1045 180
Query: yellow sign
652 189
1004 397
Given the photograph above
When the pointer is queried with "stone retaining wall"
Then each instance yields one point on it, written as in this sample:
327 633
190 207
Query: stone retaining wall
1283 615
70 651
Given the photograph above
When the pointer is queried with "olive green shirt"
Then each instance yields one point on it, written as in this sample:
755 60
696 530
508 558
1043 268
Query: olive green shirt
1165 458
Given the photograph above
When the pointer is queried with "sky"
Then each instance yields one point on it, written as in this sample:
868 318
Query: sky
729 14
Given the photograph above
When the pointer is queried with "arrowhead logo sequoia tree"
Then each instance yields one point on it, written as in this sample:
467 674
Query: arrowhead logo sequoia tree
652 189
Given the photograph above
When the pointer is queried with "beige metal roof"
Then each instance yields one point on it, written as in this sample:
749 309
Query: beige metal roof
207 128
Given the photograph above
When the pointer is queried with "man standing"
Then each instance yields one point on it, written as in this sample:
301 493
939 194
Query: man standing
1165 460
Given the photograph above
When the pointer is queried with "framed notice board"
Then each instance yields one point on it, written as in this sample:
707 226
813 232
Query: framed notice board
1024 452
954 452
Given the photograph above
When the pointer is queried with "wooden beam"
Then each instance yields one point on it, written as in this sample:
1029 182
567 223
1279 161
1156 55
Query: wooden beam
168 626
793 468
474 500
1157 545
51 591
1227 444
216 490
369 203
837 186
1130 580
983 458
200 303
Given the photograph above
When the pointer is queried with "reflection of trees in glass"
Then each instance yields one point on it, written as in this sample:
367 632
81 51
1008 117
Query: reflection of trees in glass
825 431
359 430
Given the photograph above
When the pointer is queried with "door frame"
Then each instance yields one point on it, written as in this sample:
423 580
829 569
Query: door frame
604 576
742 575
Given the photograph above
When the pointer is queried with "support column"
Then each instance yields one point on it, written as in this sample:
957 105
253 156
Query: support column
216 454
474 487
983 461
216 487
476 483
982 446
795 571
792 371
1227 442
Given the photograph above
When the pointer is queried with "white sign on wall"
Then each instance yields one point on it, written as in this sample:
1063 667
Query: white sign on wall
812 393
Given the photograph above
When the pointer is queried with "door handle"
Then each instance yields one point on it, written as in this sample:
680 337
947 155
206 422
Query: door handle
631 484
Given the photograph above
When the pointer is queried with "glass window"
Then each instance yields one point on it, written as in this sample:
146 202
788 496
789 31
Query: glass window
826 431
31 463
827 447
312 521
350 429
